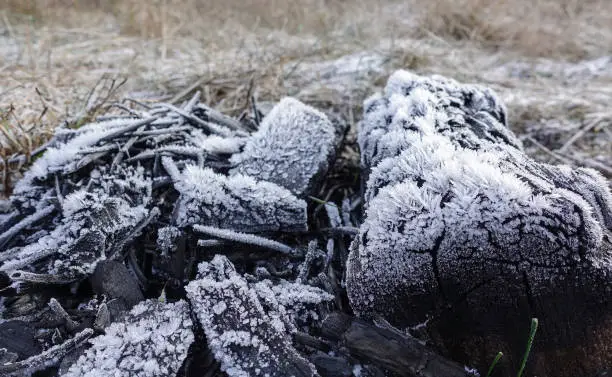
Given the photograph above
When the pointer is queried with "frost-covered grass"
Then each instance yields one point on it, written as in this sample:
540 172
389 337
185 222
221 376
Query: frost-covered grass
58 60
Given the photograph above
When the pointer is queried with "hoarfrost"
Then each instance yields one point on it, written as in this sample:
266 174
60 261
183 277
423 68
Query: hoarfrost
293 302
294 147
167 238
152 340
450 191
137 189
89 231
236 202
64 157
218 144
244 238
242 336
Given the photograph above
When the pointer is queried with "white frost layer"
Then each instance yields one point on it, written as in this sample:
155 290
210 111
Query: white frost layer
64 156
450 191
85 230
244 338
292 147
290 301
152 340
236 202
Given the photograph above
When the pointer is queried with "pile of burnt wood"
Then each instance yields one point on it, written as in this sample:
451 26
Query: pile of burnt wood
177 241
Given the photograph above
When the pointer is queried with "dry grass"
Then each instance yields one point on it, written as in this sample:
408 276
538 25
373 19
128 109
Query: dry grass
58 58
543 28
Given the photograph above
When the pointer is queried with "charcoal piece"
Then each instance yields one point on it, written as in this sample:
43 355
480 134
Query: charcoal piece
103 317
294 147
18 337
331 366
93 228
46 359
295 303
7 357
389 348
236 202
464 228
93 222
243 338
113 280
152 340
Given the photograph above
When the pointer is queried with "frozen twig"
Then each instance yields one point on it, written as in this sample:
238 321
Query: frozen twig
26 222
48 358
57 308
245 238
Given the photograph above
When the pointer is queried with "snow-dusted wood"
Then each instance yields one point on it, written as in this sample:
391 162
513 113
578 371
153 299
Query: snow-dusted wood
244 338
93 227
237 202
152 340
464 229
119 205
294 147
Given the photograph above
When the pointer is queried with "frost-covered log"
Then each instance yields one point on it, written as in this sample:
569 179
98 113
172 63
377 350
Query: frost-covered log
294 147
462 228
245 339
152 340
236 202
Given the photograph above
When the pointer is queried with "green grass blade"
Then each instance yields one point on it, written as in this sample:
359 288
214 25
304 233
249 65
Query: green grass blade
534 328
494 363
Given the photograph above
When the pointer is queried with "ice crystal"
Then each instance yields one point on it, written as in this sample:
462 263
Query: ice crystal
293 147
236 202
245 339
152 340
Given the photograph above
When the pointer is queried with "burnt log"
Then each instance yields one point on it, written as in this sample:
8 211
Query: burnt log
464 230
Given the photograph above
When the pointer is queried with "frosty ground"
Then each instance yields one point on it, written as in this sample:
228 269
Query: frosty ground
549 60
